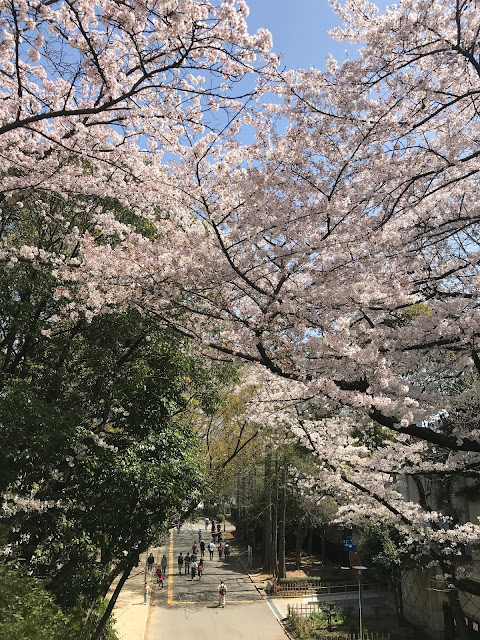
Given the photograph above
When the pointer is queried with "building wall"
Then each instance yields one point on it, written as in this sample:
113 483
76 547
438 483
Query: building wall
422 603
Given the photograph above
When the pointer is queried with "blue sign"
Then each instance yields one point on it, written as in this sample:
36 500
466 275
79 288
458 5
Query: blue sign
349 545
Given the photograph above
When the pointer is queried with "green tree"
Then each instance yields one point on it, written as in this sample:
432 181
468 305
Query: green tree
383 551
27 611
96 419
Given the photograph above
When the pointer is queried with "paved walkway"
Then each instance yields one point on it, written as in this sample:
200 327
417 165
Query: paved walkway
188 609
130 612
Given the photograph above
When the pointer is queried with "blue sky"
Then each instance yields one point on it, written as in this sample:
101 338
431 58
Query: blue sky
299 30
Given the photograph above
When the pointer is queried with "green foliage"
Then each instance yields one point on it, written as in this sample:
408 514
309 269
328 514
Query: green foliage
112 494
405 317
382 550
372 435
316 625
27 611
80 628
95 419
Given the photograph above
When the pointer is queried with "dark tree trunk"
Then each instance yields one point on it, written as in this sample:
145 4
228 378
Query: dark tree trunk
267 559
397 598
104 619
458 615
282 514
275 522
310 541
239 523
398 589
299 539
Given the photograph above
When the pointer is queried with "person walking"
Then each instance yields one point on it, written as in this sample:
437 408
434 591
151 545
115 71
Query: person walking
226 550
200 535
222 592
211 548
150 562
163 564
146 591
194 568
213 526
180 563
207 520
160 577
201 568
188 559
220 551
194 547
202 549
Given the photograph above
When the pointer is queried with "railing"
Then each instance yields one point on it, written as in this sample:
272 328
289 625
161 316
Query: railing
366 636
307 588
305 608
295 588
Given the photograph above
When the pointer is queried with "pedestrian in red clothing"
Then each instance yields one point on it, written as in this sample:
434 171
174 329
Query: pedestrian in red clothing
160 577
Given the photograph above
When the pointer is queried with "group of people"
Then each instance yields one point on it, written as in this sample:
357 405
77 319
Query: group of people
223 550
160 574
216 530
190 564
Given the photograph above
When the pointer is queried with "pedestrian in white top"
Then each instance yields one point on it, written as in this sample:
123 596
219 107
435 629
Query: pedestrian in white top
207 520
222 592
211 548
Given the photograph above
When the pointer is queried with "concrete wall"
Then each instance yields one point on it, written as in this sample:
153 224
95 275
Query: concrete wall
423 604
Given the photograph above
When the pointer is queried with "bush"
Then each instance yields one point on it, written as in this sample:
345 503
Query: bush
316 625
27 611
220 517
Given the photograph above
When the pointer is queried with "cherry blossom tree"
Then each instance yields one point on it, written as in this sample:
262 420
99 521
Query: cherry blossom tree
100 90
343 253
339 250
364 468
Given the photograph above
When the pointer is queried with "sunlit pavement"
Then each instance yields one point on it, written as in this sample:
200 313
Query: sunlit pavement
187 609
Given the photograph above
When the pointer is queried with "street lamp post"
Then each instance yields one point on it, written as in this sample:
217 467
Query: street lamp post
359 569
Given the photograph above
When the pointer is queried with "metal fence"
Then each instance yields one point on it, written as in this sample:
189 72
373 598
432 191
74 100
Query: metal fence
366 636
305 608
306 588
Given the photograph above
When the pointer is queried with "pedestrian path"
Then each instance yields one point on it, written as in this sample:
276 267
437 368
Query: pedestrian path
181 589
188 608
130 613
